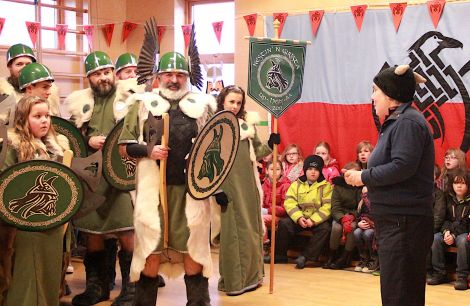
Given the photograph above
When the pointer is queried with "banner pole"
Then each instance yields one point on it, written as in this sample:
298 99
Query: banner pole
276 25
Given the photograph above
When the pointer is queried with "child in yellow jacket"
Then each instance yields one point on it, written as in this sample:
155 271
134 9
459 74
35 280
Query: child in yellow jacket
308 205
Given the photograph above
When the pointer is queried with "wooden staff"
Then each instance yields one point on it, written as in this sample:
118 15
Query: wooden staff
67 161
276 24
163 191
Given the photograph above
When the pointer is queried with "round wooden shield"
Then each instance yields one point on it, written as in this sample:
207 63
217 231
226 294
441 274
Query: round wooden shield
212 155
39 194
76 140
118 171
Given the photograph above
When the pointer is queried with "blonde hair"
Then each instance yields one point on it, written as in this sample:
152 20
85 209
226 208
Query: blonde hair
27 146
291 146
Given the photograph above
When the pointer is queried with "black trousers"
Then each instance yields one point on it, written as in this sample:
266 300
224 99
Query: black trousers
404 242
287 230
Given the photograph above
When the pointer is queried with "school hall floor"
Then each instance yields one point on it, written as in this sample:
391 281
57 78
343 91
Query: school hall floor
307 287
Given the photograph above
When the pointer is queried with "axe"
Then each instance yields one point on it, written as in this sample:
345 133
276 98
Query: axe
89 169
159 129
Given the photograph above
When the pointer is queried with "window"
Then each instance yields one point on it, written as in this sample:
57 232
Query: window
204 13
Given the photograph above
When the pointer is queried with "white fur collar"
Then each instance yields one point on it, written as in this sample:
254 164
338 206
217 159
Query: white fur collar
247 126
55 147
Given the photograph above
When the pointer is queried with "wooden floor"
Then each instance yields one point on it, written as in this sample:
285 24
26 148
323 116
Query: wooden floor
311 286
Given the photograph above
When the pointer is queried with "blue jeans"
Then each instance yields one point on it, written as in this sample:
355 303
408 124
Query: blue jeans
364 239
438 254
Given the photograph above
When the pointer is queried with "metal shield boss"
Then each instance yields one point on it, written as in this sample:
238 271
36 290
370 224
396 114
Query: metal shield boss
212 155
118 171
39 194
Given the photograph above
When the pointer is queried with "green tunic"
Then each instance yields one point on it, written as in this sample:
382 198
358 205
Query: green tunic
115 214
241 233
37 268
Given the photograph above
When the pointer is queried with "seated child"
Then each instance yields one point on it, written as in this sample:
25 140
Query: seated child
282 184
331 168
292 162
454 231
308 205
363 151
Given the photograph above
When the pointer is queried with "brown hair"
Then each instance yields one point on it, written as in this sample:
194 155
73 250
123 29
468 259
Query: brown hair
224 93
460 157
269 163
361 145
460 176
291 146
324 144
352 165
27 149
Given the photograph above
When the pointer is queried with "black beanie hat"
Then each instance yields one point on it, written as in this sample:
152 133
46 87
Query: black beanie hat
400 87
316 162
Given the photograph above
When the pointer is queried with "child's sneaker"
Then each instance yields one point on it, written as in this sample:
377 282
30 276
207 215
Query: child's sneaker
360 265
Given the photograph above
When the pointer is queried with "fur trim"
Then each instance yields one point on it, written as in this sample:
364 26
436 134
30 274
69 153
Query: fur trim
80 105
125 89
54 100
195 105
146 219
247 126
49 144
6 88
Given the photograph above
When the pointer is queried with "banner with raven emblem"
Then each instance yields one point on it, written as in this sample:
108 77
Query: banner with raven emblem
341 63
275 74
39 194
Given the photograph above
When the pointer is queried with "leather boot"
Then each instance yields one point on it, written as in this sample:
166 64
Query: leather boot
197 290
126 296
110 245
342 262
146 290
331 259
97 289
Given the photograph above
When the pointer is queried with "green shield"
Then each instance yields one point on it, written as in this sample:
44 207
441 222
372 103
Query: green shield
275 73
76 141
39 194
212 155
118 171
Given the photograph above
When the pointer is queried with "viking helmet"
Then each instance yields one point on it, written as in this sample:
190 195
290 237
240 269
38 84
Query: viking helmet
19 50
34 73
126 60
97 60
173 62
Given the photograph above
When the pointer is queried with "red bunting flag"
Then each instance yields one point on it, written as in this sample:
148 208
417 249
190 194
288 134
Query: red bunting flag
61 32
186 34
398 10
89 34
33 30
127 28
435 9
160 31
2 22
217 26
108 30
359 11
282 19
315 19
251 23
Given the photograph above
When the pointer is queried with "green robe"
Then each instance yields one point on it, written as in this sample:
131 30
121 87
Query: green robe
241 233
115 214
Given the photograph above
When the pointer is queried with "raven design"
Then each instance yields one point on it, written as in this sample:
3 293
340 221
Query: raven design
444 82
130 166
212 163
39 200
275 78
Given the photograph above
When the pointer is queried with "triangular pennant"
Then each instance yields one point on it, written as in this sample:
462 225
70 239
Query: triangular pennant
398 10
315 19
88 29
61 32
127 28
33 30
160 31
2 23
251 23
435 9
282 19
217 26
108 30
359 11
186 34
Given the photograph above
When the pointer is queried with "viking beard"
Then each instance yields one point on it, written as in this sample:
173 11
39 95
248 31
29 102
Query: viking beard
103 88
14 82
173 95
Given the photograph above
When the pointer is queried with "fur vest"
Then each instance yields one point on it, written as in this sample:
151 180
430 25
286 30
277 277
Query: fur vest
80 103
146 217
48 148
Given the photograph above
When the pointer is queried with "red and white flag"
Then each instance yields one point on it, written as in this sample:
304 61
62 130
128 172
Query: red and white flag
251 23
61 33
33 28
217 26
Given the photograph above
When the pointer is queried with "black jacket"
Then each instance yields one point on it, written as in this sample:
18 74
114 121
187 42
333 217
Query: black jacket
400 170
457 215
